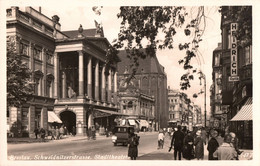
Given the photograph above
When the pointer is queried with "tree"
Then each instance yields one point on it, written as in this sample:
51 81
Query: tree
146 24
18 77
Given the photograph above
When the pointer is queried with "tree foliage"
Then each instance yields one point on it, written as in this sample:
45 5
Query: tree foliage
147 24
18 75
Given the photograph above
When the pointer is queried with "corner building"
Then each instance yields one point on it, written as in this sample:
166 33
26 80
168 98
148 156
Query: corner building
68 72
152 83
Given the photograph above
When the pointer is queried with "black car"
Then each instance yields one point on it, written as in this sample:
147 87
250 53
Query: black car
121 134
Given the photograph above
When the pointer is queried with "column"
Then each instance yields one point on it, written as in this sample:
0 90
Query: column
64 86
80 121
31 121
109 86
44 118
97 81
115 87
81 74
90 77
103 84
44 70
56 75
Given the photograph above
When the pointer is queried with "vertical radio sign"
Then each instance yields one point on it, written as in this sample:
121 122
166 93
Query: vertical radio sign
233 52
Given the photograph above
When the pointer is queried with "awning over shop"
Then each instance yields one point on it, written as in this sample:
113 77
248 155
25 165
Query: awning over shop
131 121
104 113
245 113
52 117
143 123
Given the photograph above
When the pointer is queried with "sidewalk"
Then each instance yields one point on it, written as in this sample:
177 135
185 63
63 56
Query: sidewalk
163 154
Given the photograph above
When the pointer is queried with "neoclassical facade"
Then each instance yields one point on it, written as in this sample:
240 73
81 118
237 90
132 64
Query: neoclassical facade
68 73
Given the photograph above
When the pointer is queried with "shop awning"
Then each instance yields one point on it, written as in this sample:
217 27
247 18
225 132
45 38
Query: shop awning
52 117
131 122
143 123
104 113
245 113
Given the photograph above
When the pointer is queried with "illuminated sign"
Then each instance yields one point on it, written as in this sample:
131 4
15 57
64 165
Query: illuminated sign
233 52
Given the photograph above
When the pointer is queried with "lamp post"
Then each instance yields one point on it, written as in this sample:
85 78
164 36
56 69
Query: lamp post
203 76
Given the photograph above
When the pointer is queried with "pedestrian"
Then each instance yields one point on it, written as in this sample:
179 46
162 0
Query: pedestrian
220 137
133 143
234 143
61 132
57 133
199 146
53 133
93 132
188 151
160 139
204 135
226 151
73 130
65 131
177 141
36 132
42 133
212 144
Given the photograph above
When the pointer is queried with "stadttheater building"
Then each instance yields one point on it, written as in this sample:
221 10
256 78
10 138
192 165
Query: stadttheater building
68 67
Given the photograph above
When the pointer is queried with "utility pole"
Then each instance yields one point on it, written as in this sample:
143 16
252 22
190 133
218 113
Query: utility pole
204 76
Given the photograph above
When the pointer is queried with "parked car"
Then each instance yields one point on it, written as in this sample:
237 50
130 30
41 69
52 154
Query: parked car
121 134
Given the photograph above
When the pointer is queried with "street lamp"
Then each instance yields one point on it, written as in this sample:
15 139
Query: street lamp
203 76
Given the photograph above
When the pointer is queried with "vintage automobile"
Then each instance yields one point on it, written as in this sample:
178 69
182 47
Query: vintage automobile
121 134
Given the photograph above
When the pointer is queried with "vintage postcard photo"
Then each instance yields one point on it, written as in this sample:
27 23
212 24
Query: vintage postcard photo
94 84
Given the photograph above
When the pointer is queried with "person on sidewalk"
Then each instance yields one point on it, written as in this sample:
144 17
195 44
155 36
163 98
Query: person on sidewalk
160 139
199 146
212 145
188 147
42 132
234 143
226 151
61 132
53 132
73 131
57 133
177 141
133 142
36 132
204 135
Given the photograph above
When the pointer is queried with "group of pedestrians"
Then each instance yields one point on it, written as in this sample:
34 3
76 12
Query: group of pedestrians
190 145
40 132
58 133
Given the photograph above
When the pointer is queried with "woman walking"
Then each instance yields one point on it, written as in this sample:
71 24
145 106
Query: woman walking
133 142
188 147
199 146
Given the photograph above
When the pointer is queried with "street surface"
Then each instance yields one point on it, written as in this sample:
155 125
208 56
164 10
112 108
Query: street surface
80 148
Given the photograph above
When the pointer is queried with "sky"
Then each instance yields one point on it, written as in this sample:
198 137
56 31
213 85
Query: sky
72 16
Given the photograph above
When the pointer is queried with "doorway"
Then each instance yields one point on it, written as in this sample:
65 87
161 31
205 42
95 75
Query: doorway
68 119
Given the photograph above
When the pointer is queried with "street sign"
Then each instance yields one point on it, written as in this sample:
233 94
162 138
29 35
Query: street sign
233 78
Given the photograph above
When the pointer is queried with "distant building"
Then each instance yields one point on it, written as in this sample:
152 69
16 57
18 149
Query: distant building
151 82
71 86
180 109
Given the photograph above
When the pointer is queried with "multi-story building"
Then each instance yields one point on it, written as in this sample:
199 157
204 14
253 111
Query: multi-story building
152 83
180 109
68 71
232 75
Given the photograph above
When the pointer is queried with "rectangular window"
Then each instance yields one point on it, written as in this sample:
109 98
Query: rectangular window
217 59
248 55
24 49
49 58
37 53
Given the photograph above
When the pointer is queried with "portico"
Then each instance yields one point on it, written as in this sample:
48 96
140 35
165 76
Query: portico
81 83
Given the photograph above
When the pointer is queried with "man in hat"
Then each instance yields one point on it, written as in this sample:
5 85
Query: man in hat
177 141
212 144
